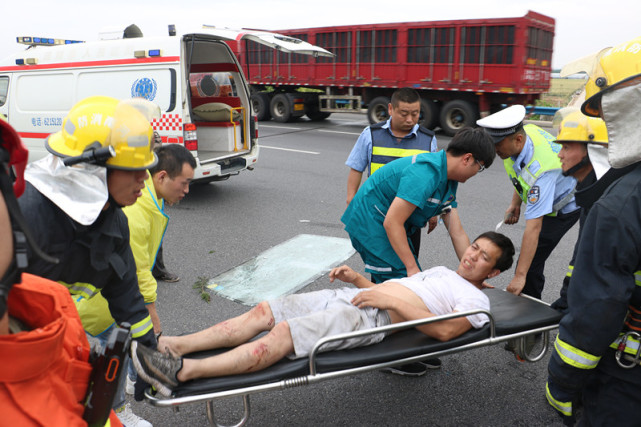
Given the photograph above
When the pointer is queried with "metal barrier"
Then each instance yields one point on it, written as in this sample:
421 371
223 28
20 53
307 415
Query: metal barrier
543 111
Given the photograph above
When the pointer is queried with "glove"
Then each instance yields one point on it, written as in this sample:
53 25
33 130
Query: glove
562 401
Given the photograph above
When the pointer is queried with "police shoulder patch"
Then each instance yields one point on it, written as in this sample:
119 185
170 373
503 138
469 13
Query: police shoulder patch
533 195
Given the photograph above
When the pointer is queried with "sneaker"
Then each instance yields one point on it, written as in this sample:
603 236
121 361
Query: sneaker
415 369
129 419
431 363
157 369
130 386
166 276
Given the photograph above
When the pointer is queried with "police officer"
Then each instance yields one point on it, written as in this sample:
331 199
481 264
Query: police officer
530 158
75 206
597 352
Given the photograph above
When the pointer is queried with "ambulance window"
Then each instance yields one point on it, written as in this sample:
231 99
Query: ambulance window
4 89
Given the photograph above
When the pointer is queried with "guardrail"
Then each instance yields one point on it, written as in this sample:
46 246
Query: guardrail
543 111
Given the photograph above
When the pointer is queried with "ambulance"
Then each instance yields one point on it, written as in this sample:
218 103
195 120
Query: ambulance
194 78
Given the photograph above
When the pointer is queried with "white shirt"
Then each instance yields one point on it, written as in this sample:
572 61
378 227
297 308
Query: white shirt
444 291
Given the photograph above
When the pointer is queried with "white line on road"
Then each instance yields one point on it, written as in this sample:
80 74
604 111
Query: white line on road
288 149
278 127
336 131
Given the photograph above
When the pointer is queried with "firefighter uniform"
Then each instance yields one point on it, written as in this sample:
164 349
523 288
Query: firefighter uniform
92 259
604 305
536 176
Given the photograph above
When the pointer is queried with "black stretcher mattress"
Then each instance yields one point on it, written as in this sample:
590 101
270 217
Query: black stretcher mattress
512 314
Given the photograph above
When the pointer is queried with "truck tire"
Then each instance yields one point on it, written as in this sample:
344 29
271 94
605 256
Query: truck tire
429 113
311 110
260 105
281 108
377 110
456 115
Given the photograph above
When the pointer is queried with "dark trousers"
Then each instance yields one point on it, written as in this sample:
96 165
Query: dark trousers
552 230
610 401
159 267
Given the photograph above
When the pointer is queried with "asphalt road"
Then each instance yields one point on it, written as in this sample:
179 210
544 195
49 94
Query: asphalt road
298 186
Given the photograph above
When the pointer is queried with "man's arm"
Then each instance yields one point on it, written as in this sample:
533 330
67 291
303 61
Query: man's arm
347 275
460 241
528 249
398 212
401 311
353 182
155 319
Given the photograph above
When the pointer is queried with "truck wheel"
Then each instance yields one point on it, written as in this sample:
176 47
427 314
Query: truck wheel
311 110
260 105
377 111
429 113
281 108
456 115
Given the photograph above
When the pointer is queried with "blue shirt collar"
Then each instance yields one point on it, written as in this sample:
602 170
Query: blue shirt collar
389 122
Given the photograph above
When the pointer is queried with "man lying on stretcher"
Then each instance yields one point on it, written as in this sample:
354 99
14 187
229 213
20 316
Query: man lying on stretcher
297 321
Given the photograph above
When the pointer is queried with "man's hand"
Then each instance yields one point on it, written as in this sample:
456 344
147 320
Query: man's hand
344 274
512 215
373 299
516 285
413 270
432 223
486 285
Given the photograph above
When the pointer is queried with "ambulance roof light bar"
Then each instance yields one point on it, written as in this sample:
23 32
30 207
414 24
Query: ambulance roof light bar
44 41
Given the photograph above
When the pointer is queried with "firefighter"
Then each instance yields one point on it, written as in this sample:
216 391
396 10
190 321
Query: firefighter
40 332
530 158
597 353
75 210
584 156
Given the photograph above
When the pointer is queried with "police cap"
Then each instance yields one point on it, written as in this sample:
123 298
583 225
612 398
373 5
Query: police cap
503 123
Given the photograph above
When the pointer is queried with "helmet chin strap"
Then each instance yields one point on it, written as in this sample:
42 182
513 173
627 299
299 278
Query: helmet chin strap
574 169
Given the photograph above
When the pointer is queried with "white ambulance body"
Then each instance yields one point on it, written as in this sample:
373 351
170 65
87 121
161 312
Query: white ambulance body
195 79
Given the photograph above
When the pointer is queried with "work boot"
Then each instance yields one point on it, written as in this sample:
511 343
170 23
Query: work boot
129 419
166 276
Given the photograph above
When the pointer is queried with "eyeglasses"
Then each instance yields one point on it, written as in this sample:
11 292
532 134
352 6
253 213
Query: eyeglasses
481 167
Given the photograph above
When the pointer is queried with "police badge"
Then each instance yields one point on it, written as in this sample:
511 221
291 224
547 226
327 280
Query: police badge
533 195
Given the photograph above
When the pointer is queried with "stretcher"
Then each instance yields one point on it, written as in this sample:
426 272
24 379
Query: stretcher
511 318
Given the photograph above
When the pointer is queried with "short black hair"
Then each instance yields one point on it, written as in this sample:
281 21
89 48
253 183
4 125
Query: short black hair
404 94
504 244
475 141
171 158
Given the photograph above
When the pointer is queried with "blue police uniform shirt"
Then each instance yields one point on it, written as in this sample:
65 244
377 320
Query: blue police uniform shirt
548 189
420 180
361 155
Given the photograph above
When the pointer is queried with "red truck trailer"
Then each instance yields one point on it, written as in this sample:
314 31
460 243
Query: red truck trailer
462 69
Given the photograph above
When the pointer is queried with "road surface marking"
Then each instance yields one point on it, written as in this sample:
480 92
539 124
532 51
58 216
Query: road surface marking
288 149
337 131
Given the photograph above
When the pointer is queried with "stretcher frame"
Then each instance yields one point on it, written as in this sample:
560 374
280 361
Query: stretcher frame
313 374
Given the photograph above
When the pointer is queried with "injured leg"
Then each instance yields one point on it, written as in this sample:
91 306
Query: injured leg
165 372
229 333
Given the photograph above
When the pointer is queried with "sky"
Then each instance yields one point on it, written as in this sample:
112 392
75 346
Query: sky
582 27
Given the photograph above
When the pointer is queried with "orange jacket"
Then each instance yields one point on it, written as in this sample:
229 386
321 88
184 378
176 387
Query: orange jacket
44 372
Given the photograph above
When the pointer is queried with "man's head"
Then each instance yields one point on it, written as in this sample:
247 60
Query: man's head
506 129
489 254
472 151
110 133
577 132
404 109
173 172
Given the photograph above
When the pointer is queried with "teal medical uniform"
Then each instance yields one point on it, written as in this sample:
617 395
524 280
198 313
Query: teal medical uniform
420 180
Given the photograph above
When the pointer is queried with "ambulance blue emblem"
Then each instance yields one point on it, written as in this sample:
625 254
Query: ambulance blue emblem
533 195
144 88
